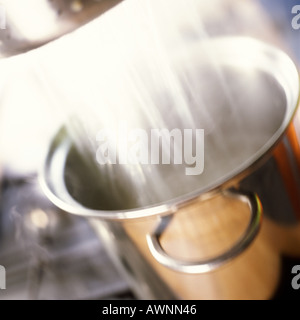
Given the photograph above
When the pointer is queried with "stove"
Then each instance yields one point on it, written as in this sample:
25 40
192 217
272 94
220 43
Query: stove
48 254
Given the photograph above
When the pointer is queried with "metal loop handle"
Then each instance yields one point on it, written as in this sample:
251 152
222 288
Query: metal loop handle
203 266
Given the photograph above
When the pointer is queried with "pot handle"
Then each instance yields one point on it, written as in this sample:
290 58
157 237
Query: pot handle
203 266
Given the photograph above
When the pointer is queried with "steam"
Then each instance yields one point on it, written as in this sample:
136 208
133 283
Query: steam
143 63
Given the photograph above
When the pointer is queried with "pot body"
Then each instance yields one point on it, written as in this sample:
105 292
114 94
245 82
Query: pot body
188 228
277 183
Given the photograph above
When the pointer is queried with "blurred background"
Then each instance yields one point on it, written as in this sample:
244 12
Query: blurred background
47 253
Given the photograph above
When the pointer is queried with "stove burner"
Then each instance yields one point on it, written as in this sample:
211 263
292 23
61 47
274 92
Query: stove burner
49 254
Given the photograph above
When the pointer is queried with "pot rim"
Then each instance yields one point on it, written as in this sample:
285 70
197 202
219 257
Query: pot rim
51 176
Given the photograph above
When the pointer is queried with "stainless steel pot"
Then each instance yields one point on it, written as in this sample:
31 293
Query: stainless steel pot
252 92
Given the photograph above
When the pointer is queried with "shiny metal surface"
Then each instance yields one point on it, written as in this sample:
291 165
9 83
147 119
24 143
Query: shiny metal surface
238 136
143 280
30 24
210 264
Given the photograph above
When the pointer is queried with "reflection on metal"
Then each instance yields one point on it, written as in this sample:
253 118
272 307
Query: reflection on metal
210 264
141 277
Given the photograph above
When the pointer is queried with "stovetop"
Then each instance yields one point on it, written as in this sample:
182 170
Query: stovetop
49 254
